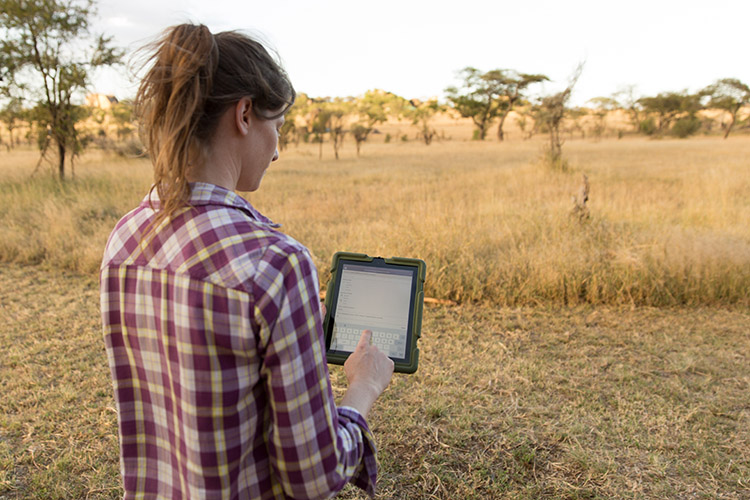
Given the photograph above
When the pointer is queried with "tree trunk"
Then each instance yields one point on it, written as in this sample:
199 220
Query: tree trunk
731 124
636 119
336 139
500 133
61 161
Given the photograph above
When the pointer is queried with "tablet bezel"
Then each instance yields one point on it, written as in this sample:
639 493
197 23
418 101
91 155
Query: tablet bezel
410 362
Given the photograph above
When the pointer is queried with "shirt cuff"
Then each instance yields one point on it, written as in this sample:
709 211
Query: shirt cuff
365 477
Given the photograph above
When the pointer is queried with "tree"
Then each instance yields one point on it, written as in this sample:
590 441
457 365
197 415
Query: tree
421 114
668 106
523 113
730 95
511 86
360 133
476 99
550 113
123 115
318 118
310 119
372 108
336 112
576 121
287 132
10 115
486 96
327 116
627 99
40 56
602 107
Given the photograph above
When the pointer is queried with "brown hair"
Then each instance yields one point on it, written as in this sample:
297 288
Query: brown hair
194 76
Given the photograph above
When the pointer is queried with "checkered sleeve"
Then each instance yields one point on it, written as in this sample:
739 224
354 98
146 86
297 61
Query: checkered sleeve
315 448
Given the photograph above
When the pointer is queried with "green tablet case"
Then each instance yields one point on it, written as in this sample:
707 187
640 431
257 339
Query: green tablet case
412 358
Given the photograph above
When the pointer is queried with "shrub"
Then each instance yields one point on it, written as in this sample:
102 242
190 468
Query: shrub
555 161
648 126
132 148
686 126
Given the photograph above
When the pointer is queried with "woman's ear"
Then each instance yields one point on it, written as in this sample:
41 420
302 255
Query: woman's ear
243 115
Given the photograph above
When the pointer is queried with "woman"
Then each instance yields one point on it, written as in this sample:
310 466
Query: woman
211 316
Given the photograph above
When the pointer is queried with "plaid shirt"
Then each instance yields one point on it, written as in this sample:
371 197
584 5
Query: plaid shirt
215 344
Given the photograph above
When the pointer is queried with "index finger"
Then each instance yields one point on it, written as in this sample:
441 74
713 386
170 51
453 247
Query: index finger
366 338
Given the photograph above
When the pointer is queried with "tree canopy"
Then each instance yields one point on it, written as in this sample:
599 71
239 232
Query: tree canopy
486 96
511 86
670 105
730 95
477 99
47 54
550 112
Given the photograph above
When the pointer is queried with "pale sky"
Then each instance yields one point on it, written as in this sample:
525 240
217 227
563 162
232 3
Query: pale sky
415 48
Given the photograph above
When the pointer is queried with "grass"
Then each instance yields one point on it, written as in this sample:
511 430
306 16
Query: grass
668 221
555 377
517 403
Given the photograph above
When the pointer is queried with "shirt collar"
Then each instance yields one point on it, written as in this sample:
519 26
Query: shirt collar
202 194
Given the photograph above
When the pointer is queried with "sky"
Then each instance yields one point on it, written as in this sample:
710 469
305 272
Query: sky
416 48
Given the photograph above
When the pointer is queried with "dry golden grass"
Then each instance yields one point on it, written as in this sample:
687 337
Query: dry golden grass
508 403
668 226
65 224
669 219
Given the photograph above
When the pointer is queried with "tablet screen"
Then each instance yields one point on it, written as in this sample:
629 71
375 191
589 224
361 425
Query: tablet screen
373 298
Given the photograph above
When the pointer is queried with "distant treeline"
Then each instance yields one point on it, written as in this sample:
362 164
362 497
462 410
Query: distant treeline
48 52
487 99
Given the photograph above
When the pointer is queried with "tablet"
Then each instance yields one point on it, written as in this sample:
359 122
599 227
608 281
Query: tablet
385 296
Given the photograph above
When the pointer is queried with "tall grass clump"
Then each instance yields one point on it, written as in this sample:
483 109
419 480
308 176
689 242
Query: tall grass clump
65 224
667 224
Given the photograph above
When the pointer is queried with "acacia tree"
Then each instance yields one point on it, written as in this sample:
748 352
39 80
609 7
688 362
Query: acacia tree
372 108
40 56
311 119
602 107
730 95
421 114
359 133
550 112
318 118
288 132
627 98
477 99
486 96
302 114
327 116
336 112
123 115
11 114
668 106
511 86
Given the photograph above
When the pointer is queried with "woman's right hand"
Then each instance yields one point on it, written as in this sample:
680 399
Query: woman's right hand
369 372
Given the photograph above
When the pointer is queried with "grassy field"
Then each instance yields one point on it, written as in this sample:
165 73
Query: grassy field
508 403
554 376
669 220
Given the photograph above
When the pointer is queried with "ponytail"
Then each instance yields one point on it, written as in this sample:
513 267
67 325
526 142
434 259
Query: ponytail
193 78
